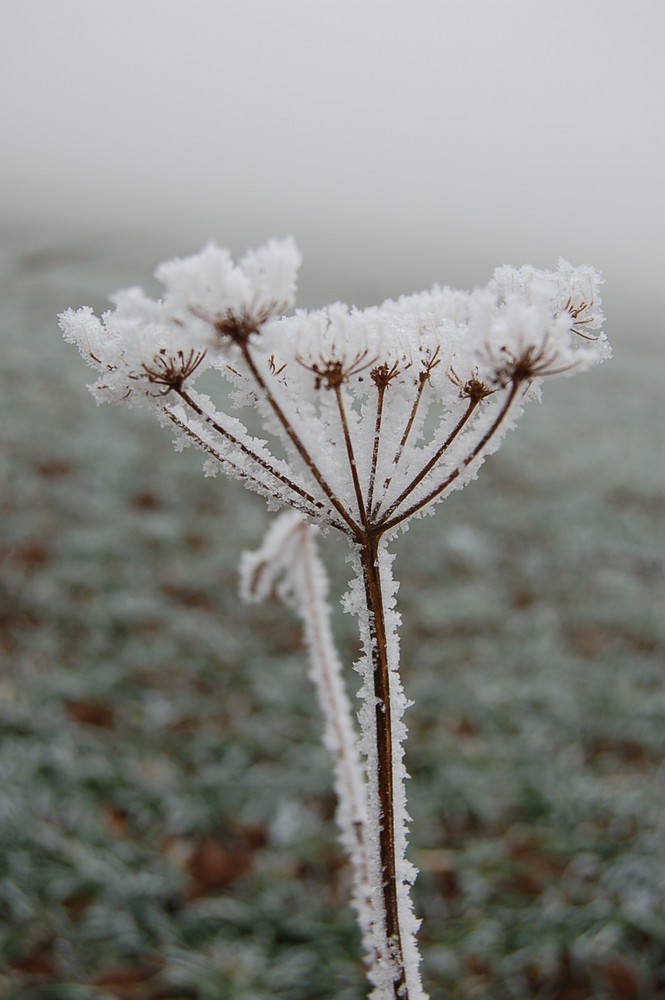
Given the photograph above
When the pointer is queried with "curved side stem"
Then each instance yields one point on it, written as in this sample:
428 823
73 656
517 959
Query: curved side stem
339 734
224 461
265 488
288 564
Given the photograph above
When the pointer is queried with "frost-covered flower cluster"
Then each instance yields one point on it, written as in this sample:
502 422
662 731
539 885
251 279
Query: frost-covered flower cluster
368 418
380 412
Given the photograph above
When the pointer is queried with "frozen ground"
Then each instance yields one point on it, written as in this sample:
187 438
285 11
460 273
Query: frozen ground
165 808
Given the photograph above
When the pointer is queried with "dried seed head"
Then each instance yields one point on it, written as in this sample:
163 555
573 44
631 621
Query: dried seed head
473 388
531 363
364 458
382 375
171 371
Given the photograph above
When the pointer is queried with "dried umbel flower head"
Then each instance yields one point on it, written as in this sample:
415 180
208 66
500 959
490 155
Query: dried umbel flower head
346 392
380 413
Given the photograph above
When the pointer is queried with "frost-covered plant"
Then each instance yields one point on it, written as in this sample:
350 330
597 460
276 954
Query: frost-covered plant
370 417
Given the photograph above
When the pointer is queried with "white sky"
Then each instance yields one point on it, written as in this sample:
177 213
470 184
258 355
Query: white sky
405 136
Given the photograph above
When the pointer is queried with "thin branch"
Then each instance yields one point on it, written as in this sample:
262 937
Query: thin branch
407 430
297 443
351 455
204 445
387 525
381 390
440 452
293 487
423 379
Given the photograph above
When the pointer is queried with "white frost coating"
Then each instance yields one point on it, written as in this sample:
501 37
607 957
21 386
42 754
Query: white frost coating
406 871
288 564
381 974
344 393
369 418
354 603
210 286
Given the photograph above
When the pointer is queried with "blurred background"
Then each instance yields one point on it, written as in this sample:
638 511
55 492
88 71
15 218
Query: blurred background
401 144
166 819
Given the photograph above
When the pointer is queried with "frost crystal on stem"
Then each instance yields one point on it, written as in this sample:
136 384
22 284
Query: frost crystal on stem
369 418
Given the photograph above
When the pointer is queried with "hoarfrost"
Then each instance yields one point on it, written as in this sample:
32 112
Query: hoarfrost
369 418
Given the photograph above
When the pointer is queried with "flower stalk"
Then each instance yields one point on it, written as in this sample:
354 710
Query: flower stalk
385 779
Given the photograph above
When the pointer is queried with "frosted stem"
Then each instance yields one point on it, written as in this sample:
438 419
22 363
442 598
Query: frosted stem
405 436
381 390
296 441
339 735
395 975
484 441
440 452
232 439
351 455
223 460
409 424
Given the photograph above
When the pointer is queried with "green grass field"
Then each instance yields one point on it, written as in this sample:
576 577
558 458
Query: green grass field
166 814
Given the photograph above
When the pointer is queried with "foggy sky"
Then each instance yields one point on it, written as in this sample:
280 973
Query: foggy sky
404 135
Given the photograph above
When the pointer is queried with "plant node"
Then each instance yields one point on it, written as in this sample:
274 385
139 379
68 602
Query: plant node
333 373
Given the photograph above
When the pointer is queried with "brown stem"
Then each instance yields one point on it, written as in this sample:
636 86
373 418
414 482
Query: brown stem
407 430
414 409
387 525
351 455
381 673
297 443
223 460
434 459
381 389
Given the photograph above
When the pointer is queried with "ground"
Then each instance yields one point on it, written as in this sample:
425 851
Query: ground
166 814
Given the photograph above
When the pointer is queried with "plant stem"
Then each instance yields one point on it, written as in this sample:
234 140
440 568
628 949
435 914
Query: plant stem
246 450
351 456
381 390
296 441
487 436
224 461
385 778
433 460
326 673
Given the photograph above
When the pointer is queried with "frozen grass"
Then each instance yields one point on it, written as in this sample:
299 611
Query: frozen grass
166 827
